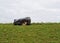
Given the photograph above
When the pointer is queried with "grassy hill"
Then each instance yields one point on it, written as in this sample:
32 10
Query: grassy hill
35 33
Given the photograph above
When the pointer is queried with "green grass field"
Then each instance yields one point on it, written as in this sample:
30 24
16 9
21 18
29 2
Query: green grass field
35 33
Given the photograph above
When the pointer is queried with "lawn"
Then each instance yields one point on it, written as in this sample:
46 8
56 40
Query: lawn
35 33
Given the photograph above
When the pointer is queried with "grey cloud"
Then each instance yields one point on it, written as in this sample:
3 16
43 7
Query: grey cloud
38 10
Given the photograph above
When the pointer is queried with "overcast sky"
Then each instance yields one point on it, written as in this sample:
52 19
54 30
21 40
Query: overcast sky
38 10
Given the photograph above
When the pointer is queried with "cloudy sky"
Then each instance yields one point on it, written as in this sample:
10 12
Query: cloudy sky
38 10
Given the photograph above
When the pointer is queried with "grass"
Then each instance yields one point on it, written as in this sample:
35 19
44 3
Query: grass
35 33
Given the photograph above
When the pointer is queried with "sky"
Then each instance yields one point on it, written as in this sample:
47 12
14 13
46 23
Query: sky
38 10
